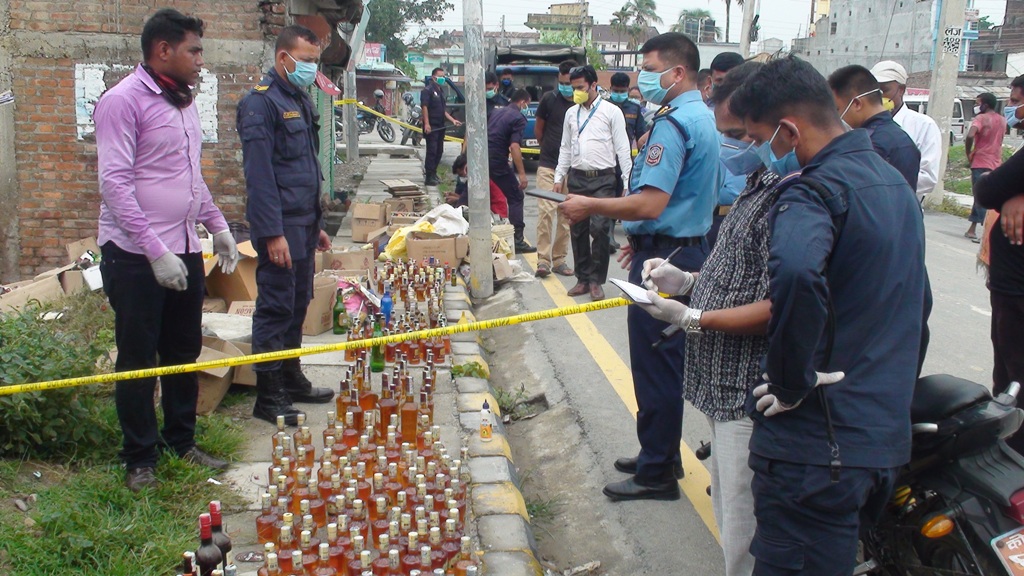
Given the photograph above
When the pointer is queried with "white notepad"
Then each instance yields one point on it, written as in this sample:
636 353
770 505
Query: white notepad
634 293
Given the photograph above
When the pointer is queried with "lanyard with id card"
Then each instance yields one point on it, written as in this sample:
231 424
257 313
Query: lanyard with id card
576 147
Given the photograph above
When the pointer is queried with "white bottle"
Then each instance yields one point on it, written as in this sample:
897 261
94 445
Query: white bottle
486 424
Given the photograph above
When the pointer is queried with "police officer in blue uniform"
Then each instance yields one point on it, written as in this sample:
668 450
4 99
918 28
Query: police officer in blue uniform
435 112
504 133
674 183
848 291
859 97
278 125
494 98
631 111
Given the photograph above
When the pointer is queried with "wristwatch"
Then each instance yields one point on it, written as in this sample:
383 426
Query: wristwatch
693 325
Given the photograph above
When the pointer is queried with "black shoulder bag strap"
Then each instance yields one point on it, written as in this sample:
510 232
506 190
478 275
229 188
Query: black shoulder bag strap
837 206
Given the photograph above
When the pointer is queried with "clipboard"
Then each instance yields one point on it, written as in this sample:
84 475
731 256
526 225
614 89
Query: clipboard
545 194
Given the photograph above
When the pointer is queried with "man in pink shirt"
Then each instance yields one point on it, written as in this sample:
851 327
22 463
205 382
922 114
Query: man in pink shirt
148 142
984 146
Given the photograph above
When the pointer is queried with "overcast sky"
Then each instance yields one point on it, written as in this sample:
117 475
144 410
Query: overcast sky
784 19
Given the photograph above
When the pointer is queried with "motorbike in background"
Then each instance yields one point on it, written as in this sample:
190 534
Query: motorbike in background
415 119
958 509
366 122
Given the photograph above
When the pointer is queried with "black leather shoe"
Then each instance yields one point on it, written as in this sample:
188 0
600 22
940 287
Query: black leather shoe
299 388
523 247
631 489
628 465
272 400
138 479
197 456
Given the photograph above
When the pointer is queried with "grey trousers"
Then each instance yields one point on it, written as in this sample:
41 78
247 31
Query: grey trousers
731 496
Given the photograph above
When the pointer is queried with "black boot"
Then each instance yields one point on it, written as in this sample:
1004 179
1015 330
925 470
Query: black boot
272 400
299 388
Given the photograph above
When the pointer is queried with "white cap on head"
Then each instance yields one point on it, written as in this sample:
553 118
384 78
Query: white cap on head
889 71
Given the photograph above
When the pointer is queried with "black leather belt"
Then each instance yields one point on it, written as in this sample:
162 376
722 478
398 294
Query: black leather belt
660 242
592 173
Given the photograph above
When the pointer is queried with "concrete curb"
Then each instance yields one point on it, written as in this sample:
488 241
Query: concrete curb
498 507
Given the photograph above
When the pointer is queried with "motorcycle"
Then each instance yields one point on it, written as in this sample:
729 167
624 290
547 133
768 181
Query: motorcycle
415 119
958 508
366 123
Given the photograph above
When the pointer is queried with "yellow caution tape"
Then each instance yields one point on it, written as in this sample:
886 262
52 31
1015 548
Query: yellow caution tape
345 101
321 349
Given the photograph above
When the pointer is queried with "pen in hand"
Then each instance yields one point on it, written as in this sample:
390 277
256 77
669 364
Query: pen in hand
663 262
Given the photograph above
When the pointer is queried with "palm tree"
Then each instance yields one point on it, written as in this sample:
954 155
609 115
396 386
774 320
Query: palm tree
644 14
620 24
700 16
728 5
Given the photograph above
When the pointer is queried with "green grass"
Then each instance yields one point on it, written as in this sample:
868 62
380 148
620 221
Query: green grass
542 510
84 521
951 206
958 172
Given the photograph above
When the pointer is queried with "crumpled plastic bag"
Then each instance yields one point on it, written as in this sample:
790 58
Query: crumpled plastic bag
500 246
396 247
446 221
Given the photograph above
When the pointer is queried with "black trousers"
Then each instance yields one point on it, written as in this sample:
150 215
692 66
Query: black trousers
284 294
154 326
658 373
590 250
435 148
509 184
1007 347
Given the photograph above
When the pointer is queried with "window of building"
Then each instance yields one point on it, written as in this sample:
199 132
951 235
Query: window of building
832 28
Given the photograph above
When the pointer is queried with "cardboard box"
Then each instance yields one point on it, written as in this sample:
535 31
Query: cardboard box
366 218
217 305
392 205
214 382
320 314
76 249
243 308
444 249
502 269
241 284
244 374
44 290
346 274
348 260
71 278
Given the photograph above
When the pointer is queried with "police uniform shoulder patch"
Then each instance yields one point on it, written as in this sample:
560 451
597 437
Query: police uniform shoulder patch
260 87
292 114
654 154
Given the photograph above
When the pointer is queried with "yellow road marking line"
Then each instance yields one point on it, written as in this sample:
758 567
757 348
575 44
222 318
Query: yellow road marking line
694 484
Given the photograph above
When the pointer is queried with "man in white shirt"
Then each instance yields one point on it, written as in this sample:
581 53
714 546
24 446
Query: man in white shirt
892 78
593 139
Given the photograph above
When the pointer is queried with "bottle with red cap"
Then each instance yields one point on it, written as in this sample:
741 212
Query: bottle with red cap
208 555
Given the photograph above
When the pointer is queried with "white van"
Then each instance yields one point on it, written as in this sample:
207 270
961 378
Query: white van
917 99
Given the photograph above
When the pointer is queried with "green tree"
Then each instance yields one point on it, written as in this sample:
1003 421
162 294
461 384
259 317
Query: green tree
571 38
621 23
644 14
698 16
984 23
390 19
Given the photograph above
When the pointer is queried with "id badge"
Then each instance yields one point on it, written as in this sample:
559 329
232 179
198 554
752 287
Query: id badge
576 149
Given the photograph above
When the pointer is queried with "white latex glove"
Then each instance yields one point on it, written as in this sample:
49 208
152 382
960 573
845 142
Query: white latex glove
170 272
668 279
226 251
770 405
667 310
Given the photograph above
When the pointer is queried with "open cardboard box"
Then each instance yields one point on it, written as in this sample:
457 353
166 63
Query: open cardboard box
347 260
240 285
444 249
243 308
320 314
44 290
244 374
366 218
214 382
502 269
76 249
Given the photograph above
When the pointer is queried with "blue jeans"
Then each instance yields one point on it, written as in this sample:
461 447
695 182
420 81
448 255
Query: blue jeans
977 211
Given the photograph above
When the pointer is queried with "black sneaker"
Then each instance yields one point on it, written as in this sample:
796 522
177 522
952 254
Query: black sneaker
201 458
138 479
524 248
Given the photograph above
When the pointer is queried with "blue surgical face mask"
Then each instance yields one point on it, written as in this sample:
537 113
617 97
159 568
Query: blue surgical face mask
781 166
439 80
650 86
304 74
635 101
491 93
526 112
565 90
506 82
744 162
1010 112
619 97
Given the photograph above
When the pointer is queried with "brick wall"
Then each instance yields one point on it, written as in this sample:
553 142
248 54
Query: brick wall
56 171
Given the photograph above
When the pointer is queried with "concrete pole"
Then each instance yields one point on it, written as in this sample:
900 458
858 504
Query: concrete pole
748 19
10 196
348 114
942 91
481 282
